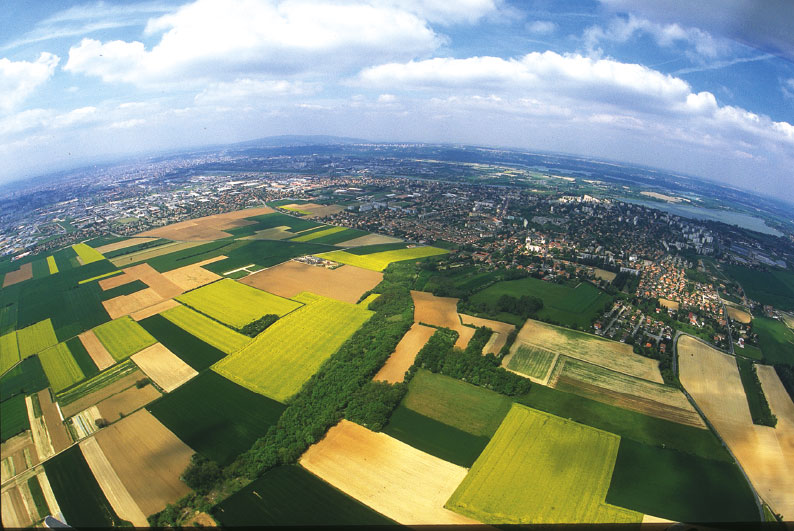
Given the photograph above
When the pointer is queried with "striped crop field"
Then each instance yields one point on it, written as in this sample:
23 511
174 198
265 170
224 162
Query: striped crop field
60 367
99 277
9 351
540 468
36 338
294 347
211 332
532 361
318 234
123 337
236 304
52 265
379 261
87 254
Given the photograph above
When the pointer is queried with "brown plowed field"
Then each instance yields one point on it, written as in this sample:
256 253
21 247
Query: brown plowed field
14 512
111 485
148 459
397 480
59 435
316 210
393 371
499 337
123 244
443 312
207 228
154 309
133 303
154 279
99 354
163 366
193 276
369 239
15 447
97 396
24 272
127 401
346 283
712 379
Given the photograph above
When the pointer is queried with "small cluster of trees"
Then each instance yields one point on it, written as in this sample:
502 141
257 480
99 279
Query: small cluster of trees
253 328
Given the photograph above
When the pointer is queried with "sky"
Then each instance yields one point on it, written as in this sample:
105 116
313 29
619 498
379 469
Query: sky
704 88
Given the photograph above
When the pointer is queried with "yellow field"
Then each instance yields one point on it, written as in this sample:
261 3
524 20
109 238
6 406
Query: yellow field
542 469
236 304
211 332
9 351
87 254
60 367
379 261
52 265
293 348
123 337
98 277
36 338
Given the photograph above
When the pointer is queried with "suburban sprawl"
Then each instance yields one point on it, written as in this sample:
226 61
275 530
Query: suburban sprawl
368 334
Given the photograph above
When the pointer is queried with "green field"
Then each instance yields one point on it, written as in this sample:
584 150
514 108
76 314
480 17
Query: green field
297 210
775 287
26 378
40 268
749 351
318 234
262 253
339 238
216 417
756 401
82 357
125 289
38 496
539 468
464 406
379 261
628 424
9 351
532 361
294 347
98 381
564 305
776 340
291 496
53 267
211 332
670 484
35 338
87 254
123 337
13 417
60 367
79 495
435 437
188 348
235 304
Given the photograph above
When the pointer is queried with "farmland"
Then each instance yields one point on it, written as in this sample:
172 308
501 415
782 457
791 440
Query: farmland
262 253
294 347
189 348
774 287
776 340
318 234
443 312
532 361
35 338
27 377
79 496
207 228
96 350
211 332
100 386
87 254
163 367
402 358
60 367
13 417
558 473
9 351
289 495
398 481
236 304
216 417
378 261
123 337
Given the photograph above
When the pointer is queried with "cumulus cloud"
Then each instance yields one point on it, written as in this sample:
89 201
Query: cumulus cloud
18 79
211 39
541 27
252 90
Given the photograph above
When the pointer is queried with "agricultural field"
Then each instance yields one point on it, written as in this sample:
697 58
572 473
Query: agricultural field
651 398
346 283
500 332
99 387
371 239
340 239
211 332
712 379
611 355
534 362
775 339
127 401
163 367
9 351
13 417
434 437
380 260
442 312
393 371
193 276
461 405
86 254
35 338
151 255
294 347
318 234
27 377
216 417
756 401
289 495
262 253
122 243
774 287
236 304
207 228
539 468
96 350
396 480
738 314
82 357
275 220
25 272
574 307
79 496
60 367
123 337
189 348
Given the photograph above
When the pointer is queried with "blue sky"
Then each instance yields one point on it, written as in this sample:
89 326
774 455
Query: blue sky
705 88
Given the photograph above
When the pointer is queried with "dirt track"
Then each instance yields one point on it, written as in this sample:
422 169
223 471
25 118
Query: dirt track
397 480
393 371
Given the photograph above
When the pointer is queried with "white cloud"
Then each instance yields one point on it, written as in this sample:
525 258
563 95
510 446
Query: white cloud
541 27
444 11
251 90
387 98
212 39
18 79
